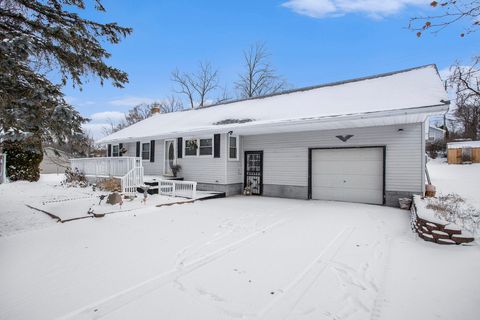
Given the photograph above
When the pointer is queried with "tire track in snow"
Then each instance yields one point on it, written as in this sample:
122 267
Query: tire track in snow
103 307
291 295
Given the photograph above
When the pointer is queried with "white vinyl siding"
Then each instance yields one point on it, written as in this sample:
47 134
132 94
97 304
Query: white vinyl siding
199 169
235 168
286 154
205 169
150 168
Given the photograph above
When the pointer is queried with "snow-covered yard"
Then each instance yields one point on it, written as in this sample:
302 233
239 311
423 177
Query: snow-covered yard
238 257
456 178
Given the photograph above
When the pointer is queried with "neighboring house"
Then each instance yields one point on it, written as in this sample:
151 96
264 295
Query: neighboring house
435 134
54 161
360 140
463 152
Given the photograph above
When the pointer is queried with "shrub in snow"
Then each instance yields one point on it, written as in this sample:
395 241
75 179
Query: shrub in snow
175 169
453 208
23 159
436 148
75 178
110 184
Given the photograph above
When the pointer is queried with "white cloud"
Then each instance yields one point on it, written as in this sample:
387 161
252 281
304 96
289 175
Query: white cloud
100 121
130 101
331 8
113 116
95 130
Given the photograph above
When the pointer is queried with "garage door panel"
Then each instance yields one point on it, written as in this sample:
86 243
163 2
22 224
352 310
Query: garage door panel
346 154
332 168
348 195
348 181
353 175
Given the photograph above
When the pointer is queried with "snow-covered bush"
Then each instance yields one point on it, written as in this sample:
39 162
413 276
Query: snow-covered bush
110 184
453 208
23 159
75 178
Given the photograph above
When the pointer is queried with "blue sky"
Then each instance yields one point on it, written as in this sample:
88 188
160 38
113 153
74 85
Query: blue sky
310 41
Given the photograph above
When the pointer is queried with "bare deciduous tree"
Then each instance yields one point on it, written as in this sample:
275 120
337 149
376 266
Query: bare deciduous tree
466 79
452 11
197 86
225 95
259 77
171 104
467 115
143 111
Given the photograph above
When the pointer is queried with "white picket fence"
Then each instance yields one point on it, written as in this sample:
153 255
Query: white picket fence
176 188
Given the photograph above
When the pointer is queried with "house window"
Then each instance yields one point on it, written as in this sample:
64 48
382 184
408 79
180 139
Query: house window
115 150
191 147
206 147
233 148
146 151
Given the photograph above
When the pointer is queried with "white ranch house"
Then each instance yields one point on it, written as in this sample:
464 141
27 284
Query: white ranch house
361 140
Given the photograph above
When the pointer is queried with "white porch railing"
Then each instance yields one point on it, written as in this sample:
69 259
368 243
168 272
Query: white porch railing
128 169
131 181
176 188
106 166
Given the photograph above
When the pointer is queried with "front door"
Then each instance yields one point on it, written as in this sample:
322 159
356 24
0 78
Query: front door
169 157
254 171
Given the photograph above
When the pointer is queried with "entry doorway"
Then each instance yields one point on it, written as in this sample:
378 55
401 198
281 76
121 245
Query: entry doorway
254 171
170 157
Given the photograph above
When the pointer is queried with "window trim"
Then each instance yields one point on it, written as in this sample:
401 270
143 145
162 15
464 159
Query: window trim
237 139
185 155
118 150
197 139
211 146
141 150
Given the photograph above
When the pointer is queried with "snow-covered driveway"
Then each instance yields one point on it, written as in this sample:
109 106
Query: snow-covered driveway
239 257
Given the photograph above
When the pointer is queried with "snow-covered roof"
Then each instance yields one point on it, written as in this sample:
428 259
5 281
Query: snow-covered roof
463 144
405 96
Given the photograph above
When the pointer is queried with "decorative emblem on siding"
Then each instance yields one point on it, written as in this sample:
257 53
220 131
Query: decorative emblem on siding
345 137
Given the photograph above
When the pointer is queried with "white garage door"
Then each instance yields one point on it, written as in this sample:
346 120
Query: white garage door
353 175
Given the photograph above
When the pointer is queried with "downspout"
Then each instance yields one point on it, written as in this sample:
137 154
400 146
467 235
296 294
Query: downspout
423 159
227 137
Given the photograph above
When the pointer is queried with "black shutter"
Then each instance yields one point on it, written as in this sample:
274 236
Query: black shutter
138 149
120 147
216 145
109 150
179 147
152 150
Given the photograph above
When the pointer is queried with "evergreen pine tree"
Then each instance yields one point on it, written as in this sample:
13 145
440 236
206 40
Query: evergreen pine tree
38 37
